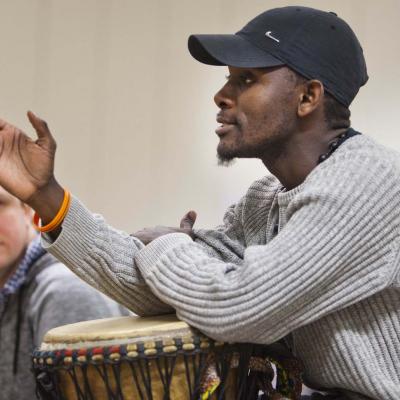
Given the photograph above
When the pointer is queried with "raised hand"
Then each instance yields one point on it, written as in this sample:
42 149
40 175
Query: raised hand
26 165
147 235
27 168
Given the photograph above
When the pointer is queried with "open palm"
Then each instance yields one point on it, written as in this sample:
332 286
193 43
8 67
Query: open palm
26 166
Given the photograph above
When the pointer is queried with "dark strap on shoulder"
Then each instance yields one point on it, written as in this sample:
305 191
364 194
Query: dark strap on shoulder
337 142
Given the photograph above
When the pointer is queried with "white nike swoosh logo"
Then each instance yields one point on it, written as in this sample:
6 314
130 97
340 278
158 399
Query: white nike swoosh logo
268 34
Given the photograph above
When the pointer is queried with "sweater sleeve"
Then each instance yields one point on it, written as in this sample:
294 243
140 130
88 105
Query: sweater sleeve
225 242
104 258
240 225
61 298
339 245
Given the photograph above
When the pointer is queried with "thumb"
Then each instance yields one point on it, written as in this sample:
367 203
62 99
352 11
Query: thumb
41 128
188 220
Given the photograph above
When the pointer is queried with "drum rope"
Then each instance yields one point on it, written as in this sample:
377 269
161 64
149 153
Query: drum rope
136 380
88 391
210 372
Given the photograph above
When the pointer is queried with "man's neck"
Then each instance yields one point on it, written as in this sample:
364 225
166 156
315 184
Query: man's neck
301 156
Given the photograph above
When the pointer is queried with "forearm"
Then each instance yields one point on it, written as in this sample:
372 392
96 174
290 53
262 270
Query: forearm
271 293
322 261
104 258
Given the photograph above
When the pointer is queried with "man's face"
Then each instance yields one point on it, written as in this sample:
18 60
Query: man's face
15 230
258 110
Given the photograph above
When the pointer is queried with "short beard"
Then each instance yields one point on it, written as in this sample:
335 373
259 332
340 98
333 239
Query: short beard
224 161
271 149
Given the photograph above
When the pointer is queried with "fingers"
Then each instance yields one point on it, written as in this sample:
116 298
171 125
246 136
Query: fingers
40 127
188 220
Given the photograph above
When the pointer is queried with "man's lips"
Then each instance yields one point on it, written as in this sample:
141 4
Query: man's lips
226 125
224 129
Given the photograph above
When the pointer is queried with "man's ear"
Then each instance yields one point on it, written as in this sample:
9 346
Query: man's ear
310 97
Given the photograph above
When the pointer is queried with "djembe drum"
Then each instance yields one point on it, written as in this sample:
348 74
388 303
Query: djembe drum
156 358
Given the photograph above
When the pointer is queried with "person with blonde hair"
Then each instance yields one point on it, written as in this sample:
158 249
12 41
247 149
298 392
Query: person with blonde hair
37 293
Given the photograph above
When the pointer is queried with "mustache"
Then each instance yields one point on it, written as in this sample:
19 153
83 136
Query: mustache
224 118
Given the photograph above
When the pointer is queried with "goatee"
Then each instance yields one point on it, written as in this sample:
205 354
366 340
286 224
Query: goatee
224 161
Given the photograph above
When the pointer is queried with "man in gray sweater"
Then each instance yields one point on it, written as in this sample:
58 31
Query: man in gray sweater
311 253
37 293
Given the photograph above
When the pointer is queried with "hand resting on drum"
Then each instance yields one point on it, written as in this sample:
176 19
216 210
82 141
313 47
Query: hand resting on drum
147 235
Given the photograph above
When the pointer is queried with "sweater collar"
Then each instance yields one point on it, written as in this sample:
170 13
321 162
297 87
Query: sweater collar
33 253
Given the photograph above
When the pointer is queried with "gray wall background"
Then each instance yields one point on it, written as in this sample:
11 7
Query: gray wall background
133 113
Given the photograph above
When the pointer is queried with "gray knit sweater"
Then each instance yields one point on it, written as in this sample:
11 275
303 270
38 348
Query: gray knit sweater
329 277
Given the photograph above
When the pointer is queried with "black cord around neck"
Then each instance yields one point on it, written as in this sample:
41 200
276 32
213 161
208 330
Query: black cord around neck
337 142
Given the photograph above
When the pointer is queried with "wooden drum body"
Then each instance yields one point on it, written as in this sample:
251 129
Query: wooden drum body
155 358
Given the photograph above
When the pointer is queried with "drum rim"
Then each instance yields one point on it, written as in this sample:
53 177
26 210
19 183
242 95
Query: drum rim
135 337
128 351
101 332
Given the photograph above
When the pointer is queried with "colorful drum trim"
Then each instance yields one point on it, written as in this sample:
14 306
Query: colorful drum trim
129 351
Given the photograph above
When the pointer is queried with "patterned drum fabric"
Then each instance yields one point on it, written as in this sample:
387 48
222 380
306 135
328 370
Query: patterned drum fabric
156 358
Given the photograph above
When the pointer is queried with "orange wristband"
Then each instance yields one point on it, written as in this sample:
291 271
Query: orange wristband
58 219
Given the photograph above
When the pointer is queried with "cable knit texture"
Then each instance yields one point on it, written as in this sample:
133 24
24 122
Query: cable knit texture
329 276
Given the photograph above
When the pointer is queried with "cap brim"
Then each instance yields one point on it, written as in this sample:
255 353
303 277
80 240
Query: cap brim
232 50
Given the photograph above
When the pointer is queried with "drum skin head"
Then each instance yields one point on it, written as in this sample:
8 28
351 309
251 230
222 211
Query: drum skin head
109 331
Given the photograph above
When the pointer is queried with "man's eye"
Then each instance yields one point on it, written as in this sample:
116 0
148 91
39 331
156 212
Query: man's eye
240 79
246 79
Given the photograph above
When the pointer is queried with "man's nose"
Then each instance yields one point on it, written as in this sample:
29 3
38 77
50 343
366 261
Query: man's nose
223 98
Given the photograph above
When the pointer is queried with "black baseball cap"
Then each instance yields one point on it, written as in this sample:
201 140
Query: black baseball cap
314 43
